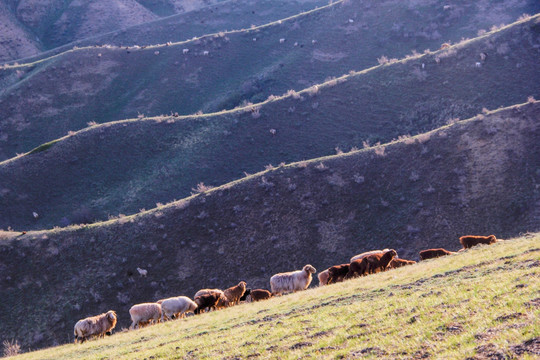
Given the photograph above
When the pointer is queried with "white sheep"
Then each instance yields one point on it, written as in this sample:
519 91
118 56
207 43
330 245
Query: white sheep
98 325
292 281
206 52
142 272
145 313
281 41
367 253
185 51
175 307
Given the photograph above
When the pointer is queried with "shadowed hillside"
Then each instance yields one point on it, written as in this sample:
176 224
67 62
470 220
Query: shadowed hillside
479 176
52 23
44 101
119 168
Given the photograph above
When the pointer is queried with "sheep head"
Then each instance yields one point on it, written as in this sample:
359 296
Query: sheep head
309 269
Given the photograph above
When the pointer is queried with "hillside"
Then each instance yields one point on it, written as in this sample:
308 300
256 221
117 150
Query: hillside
478 176
119 168
42 101
481 304
52 23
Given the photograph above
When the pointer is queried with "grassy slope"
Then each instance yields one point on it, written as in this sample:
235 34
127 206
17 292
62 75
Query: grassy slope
123 167
67 92
478 176
478 304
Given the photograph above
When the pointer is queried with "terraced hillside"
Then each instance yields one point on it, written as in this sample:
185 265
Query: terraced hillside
119 168
478 176
44 101
47 24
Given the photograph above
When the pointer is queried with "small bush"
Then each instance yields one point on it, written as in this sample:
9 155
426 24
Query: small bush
382 60
201 188
11 348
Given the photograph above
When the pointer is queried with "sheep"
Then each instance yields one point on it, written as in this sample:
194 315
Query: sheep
281 41
222 303
292 281
469 241
142 272
380 262
204 301
99 325
176 307
371 264
144 313
337 273
206 52
434 253
234 293
357 267
395 263
260 294
363 255
185 51
323 277
246 294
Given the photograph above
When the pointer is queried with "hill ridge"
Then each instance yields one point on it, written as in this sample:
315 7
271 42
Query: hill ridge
279 168
11 63
275 98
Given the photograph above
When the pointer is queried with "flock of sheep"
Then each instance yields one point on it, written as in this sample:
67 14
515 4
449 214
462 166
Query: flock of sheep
176 307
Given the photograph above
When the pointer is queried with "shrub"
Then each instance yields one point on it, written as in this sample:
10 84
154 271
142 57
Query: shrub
382 60
11 348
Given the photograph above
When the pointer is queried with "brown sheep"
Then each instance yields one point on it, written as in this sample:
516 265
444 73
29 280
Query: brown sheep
395 263
235 293
206 301
380 262
337 273
434 253
99 325
222 302
260 294
357 268
323 277
469 241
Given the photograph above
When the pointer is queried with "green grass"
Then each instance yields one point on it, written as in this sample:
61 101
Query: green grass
447 307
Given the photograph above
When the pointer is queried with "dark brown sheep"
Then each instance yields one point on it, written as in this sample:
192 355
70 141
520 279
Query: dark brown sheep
337 273
260 294
395 263
469 241
434 253
357 268
206 301
379 262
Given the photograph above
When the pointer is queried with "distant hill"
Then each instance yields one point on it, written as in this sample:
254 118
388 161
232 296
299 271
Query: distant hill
43 101
52 23
122 167
478 176
15 41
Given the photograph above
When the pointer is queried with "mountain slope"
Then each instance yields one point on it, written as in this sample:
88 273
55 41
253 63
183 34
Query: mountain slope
46 100
125 166
478 176
476 305
57 22
15 42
